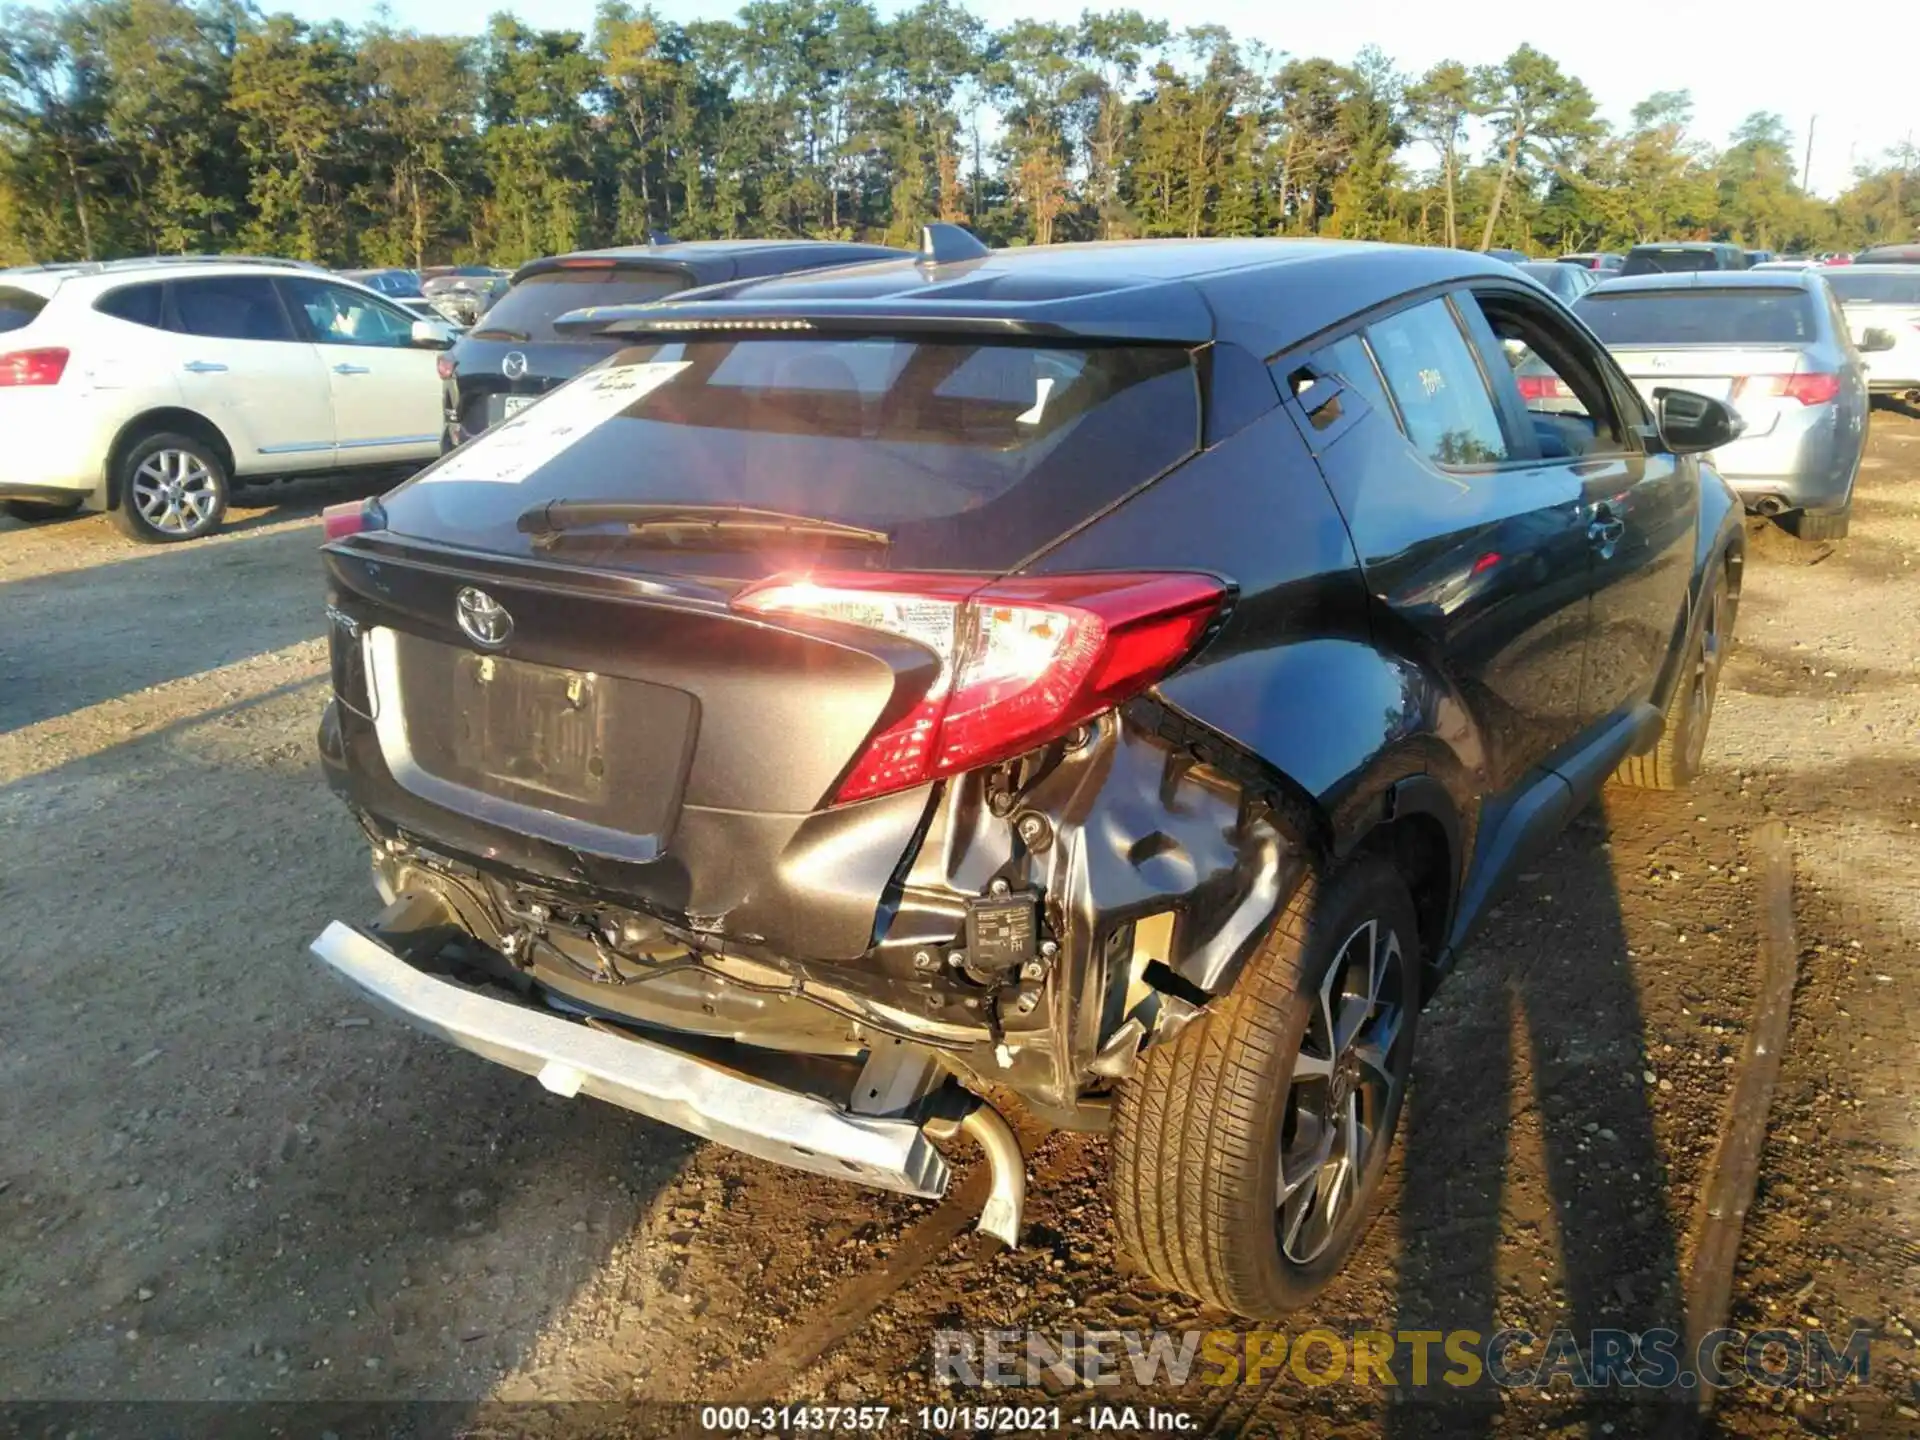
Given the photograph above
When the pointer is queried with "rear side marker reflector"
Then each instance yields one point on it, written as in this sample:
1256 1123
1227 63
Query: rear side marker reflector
1022 661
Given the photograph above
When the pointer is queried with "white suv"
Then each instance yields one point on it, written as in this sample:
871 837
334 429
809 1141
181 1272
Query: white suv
152 387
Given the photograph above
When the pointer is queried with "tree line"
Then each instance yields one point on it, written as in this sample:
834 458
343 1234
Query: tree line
166 126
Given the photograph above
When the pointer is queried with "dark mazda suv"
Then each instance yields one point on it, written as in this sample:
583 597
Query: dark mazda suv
515 353
1103 685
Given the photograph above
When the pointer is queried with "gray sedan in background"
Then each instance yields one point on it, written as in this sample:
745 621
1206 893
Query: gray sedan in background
1774 345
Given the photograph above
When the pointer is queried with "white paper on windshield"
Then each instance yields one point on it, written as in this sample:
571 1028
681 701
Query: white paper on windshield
513 450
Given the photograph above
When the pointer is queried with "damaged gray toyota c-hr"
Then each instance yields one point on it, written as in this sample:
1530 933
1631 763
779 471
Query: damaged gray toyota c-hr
1104 683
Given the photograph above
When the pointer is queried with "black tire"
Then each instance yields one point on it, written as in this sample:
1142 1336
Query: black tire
33 512
1831 525
1675 762
170 488
1202 1124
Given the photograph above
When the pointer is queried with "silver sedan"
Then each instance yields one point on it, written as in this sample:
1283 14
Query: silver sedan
1775 346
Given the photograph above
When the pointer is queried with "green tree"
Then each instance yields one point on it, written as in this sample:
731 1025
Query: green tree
1111 47
1536 109
536 140
417 98
1370 120
292 84
1439 109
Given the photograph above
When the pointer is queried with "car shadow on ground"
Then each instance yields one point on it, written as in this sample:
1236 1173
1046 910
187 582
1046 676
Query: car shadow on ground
1540 1044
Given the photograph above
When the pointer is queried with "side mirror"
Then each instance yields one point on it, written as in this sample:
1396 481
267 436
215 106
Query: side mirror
1874 341
1692 424
428 335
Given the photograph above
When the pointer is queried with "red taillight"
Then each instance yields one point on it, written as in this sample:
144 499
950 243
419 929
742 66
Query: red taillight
444 364
1812 388
1021 661
586 262
33 367
1486 562
1543 387
356 516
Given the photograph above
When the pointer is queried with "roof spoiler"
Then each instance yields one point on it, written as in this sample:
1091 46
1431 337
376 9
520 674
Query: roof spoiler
943 244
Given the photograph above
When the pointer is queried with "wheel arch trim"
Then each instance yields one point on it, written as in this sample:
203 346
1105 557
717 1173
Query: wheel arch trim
158 420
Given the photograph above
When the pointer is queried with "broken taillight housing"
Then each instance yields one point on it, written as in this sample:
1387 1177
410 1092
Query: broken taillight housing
1021 661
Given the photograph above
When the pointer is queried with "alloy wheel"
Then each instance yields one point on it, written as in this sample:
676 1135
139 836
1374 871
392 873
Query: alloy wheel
175 492
1346 1078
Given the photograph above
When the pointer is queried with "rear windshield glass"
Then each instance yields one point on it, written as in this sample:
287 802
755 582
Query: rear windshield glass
1670 261
971 455
18 307
1874 287
1700 317
528 310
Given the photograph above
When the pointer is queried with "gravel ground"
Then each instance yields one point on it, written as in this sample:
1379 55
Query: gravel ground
221 1179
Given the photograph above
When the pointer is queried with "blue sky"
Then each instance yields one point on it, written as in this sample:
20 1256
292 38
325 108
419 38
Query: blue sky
1856 75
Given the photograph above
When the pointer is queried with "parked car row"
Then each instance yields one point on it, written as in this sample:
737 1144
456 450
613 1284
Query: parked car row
153 388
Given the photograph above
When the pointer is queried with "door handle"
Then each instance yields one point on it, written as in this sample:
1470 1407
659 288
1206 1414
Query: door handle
203 367
351 370
1606 533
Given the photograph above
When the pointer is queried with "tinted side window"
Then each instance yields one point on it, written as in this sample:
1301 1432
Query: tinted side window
1443 397
139 304
18 307
229 307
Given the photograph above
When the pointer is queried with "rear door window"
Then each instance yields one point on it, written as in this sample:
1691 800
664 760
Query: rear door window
1444 403
228 307
528 310
138 304
972 455
1744 316
18 307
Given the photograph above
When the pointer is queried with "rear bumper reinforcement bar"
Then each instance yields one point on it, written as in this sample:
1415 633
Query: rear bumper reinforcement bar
663 1084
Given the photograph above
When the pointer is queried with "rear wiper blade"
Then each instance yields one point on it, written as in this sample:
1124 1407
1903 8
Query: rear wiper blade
693 524
490 332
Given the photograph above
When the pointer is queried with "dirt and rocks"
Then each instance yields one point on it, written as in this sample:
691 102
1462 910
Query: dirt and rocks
222 1179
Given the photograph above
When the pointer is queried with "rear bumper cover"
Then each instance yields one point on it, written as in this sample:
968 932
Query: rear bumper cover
568 1058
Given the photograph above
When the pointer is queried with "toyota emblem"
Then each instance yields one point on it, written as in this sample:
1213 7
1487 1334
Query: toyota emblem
514 366
482 618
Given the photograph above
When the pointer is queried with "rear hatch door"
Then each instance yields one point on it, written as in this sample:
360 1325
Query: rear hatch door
549 649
